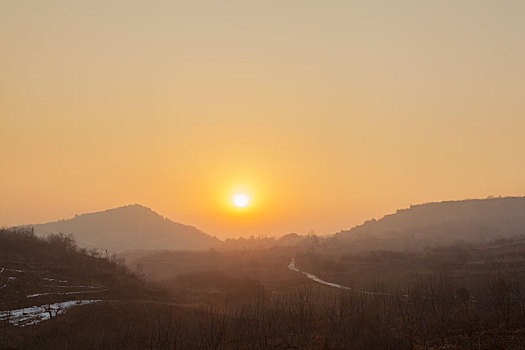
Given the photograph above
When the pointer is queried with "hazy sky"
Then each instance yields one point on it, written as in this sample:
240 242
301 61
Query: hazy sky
327 113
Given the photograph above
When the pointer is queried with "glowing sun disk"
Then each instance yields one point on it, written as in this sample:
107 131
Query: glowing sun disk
241 200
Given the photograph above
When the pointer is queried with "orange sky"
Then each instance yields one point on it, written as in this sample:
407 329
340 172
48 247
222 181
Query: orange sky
328 112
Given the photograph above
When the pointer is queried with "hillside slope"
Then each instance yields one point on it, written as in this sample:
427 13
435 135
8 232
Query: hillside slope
41 278
443 223
130 227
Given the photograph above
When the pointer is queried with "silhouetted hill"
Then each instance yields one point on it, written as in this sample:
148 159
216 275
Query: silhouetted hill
443 223
39 271
130 227
288 240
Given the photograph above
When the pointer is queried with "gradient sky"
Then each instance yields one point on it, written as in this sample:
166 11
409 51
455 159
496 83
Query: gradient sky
327 112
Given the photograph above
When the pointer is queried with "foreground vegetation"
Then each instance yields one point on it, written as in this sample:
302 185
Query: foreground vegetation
458 297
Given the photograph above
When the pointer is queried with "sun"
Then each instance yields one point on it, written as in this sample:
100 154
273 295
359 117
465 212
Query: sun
240 200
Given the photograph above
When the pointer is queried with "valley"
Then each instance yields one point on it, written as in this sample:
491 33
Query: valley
302 291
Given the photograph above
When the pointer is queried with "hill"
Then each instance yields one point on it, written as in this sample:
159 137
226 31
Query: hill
53 272
127 228
443 223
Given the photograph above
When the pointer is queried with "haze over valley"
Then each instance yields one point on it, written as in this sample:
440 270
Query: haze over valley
129 227
421 226
262 175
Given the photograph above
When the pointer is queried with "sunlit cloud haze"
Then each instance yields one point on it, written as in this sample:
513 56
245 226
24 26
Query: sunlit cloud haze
325 113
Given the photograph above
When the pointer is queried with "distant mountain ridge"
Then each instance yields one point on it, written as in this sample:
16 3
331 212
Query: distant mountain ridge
441 223
130 227
136 227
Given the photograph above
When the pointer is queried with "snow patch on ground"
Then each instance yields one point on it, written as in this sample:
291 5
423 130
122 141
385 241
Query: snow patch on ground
9 279
292 267
90 287
35 314
52 279
66 293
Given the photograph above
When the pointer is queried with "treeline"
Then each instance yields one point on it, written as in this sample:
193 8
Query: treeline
440 308
432 313
59 255
23 246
